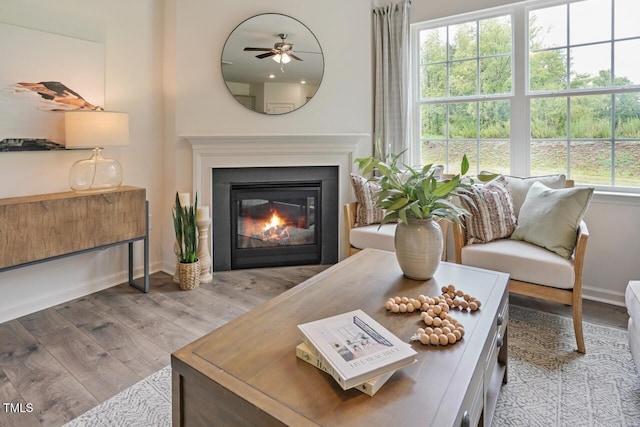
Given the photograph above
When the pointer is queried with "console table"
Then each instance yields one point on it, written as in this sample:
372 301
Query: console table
45 227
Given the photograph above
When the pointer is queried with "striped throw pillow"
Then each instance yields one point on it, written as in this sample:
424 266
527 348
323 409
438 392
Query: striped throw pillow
366 194
492 217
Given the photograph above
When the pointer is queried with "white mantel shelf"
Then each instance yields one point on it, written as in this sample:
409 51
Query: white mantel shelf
295 142
276 150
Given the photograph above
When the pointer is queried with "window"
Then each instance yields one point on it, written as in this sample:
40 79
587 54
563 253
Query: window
465 87
567 102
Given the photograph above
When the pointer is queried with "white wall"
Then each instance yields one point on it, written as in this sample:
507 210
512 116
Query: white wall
133 47
204 106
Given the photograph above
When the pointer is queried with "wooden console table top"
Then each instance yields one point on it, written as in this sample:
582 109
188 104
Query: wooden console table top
246 373
48 226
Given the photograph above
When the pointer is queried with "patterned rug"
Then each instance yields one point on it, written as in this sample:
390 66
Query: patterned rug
144 404
550 384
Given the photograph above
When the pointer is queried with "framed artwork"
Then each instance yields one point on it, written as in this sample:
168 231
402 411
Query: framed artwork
42 75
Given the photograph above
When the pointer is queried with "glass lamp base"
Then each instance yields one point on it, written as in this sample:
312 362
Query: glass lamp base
95 174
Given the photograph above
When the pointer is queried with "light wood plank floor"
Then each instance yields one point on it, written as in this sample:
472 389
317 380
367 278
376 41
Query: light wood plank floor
67 359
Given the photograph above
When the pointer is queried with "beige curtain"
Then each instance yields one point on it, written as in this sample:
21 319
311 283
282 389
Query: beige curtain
391 94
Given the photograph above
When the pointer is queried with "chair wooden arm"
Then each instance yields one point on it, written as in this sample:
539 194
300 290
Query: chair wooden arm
578 255
349 223
459 240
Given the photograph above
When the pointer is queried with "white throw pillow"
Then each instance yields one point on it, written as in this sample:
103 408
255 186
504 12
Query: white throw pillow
550 217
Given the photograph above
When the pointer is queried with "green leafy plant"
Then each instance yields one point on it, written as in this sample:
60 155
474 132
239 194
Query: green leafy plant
409 193
184 224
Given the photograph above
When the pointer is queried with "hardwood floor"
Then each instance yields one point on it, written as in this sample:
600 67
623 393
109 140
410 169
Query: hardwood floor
67 359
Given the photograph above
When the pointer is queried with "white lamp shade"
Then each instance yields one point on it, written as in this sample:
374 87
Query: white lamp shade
88 129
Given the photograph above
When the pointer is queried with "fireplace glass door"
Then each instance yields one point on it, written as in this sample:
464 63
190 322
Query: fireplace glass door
275 224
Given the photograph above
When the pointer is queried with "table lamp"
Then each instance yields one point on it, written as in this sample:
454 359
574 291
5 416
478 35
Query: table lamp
95 129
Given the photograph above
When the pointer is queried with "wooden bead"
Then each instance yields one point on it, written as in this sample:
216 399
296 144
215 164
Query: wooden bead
440 329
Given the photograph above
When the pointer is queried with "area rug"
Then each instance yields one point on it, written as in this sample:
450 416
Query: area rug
550 384
144 404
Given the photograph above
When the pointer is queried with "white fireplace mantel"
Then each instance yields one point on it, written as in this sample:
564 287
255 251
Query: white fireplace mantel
229 151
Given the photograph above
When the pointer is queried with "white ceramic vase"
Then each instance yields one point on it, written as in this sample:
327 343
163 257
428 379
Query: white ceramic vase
418 248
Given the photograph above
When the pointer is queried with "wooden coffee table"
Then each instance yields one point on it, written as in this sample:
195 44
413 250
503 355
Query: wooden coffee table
246 373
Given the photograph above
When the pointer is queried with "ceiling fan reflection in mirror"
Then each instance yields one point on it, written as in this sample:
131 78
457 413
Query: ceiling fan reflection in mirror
255 82
281 51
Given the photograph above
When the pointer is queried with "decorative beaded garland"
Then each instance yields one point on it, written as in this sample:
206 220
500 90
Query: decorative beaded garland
441 329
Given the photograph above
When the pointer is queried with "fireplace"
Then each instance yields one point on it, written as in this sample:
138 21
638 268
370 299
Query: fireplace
274 216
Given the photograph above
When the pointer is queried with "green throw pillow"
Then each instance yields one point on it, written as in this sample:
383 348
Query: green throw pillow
550 217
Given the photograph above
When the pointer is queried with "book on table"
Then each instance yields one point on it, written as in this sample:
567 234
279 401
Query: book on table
355 348
369 387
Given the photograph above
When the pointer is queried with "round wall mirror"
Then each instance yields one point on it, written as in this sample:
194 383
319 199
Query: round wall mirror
272 63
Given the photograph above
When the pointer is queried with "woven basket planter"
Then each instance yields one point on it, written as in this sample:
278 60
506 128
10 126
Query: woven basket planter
189 274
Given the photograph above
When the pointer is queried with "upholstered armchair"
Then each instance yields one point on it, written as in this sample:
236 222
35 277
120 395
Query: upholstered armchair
531 228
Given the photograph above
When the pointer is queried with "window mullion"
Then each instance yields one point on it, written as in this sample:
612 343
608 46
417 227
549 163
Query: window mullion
520 123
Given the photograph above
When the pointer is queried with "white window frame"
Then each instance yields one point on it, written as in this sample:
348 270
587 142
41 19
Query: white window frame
520 131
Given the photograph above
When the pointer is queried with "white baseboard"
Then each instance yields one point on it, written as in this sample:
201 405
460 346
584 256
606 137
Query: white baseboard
83 289
605 296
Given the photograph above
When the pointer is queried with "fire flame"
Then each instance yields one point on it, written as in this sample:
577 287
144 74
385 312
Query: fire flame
275 229
274 222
